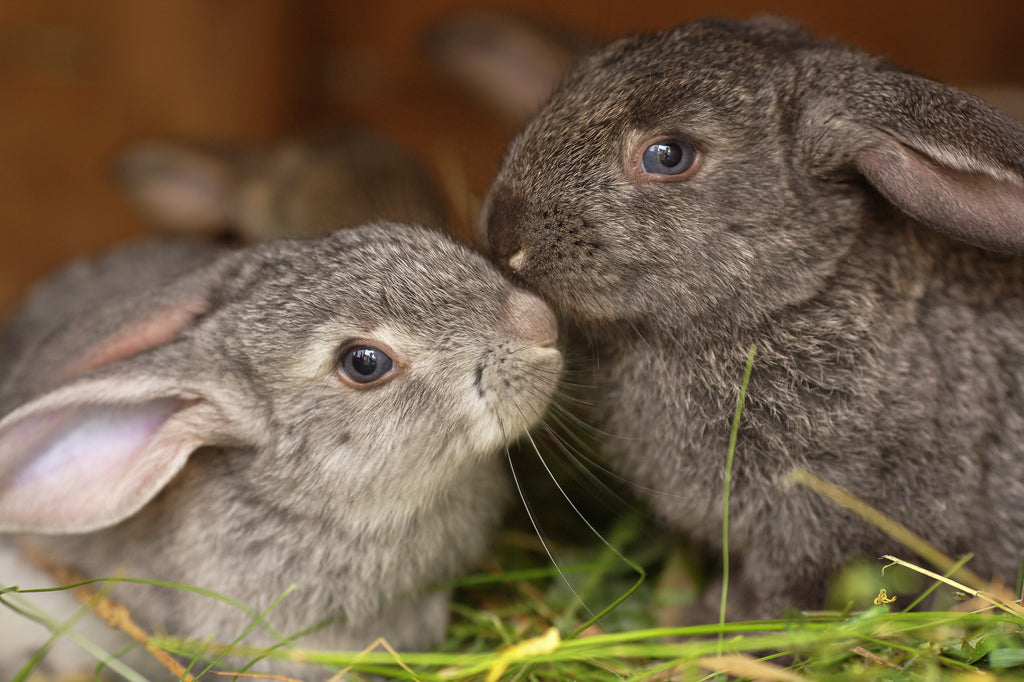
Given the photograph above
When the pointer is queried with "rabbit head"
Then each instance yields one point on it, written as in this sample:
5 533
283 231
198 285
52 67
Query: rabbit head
721 169
292 188
324 411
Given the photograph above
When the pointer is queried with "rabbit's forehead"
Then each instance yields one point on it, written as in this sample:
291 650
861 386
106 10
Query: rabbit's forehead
359 280
681 81
429 295
433 303
421 306
678 57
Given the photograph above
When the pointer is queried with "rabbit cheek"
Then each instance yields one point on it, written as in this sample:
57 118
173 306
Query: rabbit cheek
514 385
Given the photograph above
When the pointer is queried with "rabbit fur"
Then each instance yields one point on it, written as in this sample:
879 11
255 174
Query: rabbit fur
294 187
857 222
512 62
174 410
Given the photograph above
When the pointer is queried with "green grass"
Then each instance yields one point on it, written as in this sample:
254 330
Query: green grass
515 601
596 617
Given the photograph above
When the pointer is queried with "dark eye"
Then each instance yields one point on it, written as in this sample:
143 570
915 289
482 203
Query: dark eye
365 364
668 157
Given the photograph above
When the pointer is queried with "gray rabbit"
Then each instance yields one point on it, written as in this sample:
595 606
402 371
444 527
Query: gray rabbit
684 195
323 412
294 187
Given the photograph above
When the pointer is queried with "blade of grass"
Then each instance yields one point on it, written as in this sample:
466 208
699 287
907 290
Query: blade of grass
32 612
733 436
287 641
1005 606
935 583
120 618
244 608
525 574
55 634
901 534
915 651
634 655
742 665
627 528
1019 592
260 618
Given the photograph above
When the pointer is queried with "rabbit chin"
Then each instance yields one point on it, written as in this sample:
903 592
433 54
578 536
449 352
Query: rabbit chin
497 428
492 424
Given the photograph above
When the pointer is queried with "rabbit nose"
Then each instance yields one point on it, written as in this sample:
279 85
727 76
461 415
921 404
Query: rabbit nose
527 318
500 231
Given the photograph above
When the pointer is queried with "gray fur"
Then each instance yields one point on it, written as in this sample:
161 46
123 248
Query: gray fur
890 358
364 497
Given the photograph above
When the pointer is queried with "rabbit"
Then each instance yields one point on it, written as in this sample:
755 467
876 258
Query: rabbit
687 194
295 187
325 412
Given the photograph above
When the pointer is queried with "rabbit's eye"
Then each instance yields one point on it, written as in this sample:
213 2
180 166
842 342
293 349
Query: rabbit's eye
365 364
668 157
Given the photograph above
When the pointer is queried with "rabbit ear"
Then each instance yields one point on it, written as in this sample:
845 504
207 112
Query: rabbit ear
183 187
83 458
136 336
947 159
510 63
113 429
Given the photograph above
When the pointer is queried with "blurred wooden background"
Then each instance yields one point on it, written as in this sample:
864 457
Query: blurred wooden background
81 80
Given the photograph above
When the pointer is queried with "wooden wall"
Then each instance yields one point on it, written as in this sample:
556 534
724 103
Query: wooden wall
80 80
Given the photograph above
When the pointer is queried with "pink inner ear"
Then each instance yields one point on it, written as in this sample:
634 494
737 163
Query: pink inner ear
187 204
971 206
137 337
82 467
179 186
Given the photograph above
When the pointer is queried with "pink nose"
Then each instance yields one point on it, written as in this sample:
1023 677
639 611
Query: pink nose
528 318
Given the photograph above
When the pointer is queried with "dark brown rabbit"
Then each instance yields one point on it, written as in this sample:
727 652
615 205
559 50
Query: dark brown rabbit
684 195
323 412
295 187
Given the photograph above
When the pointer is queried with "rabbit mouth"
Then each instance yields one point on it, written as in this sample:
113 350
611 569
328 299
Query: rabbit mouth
516 383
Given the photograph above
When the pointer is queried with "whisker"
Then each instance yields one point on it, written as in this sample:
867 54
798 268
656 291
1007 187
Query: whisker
533 521
572 398
592 463
571 503
563 432
567 418
578 460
